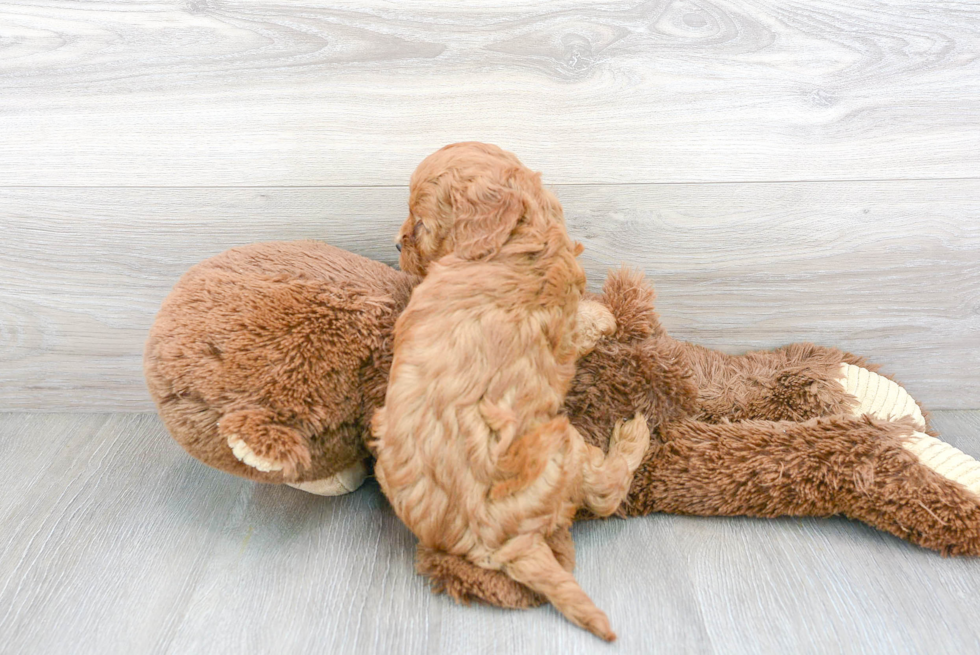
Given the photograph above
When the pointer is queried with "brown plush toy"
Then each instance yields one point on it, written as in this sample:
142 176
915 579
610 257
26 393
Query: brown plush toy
267 360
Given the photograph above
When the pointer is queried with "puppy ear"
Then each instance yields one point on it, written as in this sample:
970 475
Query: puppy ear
484 220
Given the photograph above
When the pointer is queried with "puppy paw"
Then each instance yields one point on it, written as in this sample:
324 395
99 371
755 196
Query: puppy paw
594 321
631 439
878 396
337 484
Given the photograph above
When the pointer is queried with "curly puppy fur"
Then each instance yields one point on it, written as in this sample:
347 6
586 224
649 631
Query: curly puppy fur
471 449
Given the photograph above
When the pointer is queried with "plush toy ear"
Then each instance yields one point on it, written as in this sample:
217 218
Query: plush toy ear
630 298
484 220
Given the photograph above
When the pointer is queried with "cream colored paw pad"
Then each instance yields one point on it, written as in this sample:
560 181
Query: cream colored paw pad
878 396
949 462
248 457
338 484
887 400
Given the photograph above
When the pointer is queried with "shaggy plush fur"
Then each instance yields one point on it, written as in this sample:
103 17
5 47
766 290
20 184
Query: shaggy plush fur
470 448
282 346
797 453
702 462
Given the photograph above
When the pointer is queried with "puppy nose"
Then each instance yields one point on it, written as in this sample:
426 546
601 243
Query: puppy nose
399 246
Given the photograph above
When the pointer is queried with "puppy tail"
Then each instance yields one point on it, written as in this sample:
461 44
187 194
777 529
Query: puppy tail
529 560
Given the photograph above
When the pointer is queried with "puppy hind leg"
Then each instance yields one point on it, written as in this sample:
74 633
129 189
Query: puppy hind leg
529 560
527 456
607 476
631 439
593 322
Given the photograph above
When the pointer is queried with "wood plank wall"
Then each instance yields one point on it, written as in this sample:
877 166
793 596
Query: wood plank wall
783 171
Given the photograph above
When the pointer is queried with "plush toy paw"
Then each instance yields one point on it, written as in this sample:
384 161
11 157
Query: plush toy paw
949 462
878 396
465 582
886 400
337 484
246 456
257 440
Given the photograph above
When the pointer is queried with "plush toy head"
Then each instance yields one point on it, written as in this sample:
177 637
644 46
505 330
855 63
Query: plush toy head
265 360
467 199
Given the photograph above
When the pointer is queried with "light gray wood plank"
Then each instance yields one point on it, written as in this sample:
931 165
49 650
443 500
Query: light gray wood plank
119 542
833 585
133 547
105 531
890 270
959 428
341 578
30 444
286 93
825 586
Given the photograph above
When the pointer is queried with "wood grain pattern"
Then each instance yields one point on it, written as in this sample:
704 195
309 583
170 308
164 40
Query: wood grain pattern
690 136
78 533
248 92
116 541
794 585
890 270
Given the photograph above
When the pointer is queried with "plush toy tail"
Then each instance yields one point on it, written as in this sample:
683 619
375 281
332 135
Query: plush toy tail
529 560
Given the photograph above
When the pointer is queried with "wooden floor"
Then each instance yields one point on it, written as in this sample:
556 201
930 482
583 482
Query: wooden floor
116 541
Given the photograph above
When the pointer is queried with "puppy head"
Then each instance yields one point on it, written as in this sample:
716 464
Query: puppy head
467 199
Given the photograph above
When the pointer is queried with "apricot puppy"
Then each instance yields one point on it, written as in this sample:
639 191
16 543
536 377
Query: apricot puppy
471 449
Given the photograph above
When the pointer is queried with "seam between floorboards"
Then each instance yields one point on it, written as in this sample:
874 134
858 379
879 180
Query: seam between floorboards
554 185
